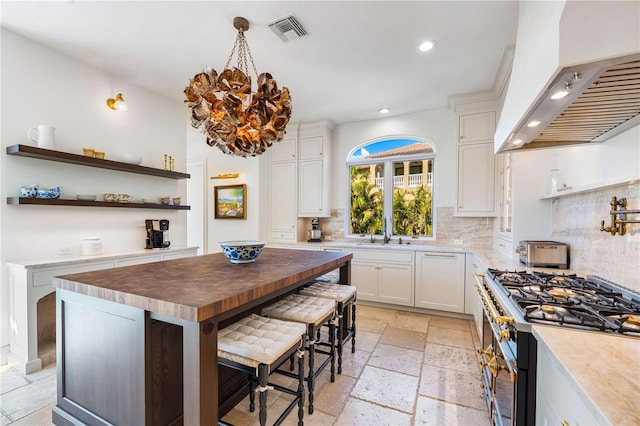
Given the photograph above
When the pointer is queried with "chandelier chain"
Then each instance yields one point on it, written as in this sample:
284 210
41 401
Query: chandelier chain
242 48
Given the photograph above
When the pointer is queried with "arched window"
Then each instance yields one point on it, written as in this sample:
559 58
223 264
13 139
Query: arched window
391 188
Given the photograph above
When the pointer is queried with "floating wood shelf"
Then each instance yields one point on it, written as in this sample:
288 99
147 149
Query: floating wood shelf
80 203
65 157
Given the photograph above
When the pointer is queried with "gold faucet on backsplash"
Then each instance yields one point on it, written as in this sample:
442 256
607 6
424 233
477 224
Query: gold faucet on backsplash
619 219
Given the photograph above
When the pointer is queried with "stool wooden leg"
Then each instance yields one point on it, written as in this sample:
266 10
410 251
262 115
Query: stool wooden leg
311 379
300 387
332 349
353 327
263 378
341 326
252 395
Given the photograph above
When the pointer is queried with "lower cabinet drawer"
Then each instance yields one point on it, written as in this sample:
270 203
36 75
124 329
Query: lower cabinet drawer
283 235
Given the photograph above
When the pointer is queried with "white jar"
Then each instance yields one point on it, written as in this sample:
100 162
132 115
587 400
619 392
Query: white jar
91 246
556 182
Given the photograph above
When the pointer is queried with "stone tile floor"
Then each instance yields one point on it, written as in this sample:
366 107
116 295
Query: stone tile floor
408 369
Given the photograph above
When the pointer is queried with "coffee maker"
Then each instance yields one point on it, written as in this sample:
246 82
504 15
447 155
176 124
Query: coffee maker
315 233
157 233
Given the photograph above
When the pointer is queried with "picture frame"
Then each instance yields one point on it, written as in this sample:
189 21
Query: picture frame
230 201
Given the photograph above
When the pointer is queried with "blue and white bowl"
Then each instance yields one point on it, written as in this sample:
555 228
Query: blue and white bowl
29 191
242 251
49 193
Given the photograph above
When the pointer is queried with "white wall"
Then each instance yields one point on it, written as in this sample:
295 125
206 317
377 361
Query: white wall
437 125
219 163
41 86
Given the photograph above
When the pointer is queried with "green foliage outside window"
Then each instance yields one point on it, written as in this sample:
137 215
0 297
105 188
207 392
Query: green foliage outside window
412 212
366 203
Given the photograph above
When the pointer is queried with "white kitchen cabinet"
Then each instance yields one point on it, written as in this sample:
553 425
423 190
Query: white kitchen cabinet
472 301
478 127
559 400
476 180
283 201
383 276
314 174
284 165
440 281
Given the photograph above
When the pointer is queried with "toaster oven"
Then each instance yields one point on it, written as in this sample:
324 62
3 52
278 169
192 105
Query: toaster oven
550 254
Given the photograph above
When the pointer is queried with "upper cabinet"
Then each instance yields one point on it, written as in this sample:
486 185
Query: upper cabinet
314 149
476 191
479 127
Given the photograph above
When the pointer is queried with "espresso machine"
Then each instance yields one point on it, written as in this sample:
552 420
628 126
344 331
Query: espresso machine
315 233
157 233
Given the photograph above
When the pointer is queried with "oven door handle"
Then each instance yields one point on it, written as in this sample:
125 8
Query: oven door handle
488 303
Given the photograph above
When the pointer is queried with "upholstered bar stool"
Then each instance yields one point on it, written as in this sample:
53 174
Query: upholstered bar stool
257 346
313 312
345 297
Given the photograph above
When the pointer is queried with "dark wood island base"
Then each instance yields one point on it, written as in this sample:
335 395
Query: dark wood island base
138 345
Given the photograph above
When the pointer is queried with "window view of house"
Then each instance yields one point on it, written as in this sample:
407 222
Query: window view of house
404 165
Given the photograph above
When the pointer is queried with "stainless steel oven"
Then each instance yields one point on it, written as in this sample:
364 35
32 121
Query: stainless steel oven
507 360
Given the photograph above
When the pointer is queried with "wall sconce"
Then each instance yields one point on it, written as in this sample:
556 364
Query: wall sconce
117 103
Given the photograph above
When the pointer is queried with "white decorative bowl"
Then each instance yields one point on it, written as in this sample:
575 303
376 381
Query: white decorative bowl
242 251
131 158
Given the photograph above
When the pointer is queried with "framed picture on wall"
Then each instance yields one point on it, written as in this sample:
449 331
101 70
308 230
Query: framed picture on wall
230 201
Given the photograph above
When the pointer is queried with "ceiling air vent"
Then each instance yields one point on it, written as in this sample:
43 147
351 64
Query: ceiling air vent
288 28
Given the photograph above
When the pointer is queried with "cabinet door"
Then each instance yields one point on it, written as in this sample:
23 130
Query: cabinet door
311 188
395 284
440 281
477 127
364 275
311 148
285 150
560 398
283 198
476 180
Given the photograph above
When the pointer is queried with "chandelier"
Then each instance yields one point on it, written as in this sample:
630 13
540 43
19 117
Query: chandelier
235 119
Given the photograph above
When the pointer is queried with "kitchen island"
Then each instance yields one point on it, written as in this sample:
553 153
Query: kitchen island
117 332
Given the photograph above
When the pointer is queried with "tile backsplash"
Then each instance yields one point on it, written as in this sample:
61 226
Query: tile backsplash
576 221
472 231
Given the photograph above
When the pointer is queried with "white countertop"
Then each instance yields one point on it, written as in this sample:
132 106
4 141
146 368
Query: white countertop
75 260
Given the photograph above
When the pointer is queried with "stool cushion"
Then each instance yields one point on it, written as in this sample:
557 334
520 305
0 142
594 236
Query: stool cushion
305 309
337 292
257 340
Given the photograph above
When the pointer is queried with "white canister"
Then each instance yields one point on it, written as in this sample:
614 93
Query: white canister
91 246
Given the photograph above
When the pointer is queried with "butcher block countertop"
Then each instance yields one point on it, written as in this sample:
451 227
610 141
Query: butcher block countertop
201 287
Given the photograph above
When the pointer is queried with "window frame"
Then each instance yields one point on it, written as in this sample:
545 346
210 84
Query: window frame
387 197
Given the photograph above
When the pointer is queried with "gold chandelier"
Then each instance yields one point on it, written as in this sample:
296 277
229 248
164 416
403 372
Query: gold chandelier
236 120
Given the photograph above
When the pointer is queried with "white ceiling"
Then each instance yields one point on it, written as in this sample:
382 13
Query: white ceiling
359 56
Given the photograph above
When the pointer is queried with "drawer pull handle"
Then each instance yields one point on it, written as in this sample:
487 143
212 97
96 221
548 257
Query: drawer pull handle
439 255
564 423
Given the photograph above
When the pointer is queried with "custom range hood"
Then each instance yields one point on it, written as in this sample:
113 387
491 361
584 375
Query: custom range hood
575 77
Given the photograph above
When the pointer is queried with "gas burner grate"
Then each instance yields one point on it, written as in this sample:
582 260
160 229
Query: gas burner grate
573 301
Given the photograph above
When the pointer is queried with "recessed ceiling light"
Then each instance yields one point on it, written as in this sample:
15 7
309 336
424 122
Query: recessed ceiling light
426 45
517 142
533 123
384 110
559 94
